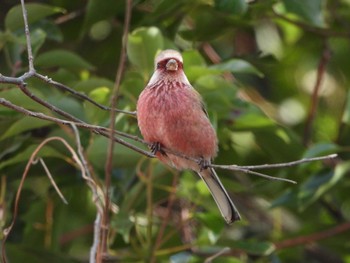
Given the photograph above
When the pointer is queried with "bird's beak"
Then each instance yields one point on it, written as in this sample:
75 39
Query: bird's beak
171 65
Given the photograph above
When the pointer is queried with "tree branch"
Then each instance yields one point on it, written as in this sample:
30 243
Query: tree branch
28 40
109 159
326 56
302 240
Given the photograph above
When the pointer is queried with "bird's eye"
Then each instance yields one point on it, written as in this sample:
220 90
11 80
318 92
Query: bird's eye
159 65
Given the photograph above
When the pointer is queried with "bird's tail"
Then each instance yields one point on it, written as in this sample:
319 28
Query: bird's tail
221 197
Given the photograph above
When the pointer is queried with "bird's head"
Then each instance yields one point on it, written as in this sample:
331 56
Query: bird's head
169 61
168 68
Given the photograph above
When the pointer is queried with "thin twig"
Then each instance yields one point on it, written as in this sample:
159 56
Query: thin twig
7 231
96 190
302 240
323 32
247 171
28 40
216 59
93 128
105 132
326 56
79 94
109 159
64 200
96 242
218 254
167 217
51 107
278 165
80 150
98 202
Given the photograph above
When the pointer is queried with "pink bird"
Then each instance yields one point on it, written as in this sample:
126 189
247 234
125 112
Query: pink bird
171 115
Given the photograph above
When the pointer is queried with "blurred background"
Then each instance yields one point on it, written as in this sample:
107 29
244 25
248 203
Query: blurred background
274 77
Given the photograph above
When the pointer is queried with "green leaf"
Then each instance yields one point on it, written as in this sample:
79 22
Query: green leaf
253 120
93 83
100 10
256 247
3 39
122 156
238 66
234 7
62 58
143 44
35 11
310 10
193 73
94 114
31 254
52 30
24 124
315 187
38 38
23 156
17 97
279 143
212 221
123 224
218 94
346 113
193 58
321 149
100 94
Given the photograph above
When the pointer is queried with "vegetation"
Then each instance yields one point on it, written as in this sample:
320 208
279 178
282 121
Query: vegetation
274 76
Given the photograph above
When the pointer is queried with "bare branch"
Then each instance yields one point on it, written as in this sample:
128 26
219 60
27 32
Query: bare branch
96 129
30 162
105 132
96 197
278 165
218 254
96 242
302 240
114 98
79 94
323 32
326 56
64 200
28 40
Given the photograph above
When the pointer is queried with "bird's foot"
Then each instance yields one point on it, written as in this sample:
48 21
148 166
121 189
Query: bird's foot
156 147
203 164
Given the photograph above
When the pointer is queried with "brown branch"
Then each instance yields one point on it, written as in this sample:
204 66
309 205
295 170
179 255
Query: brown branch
28 40
216 59
47 105
93 128
20 81
278 165
302 240
323 32
105 132
326 56
53 183
95 194
216 255
30 162
166 219
79 94
109 160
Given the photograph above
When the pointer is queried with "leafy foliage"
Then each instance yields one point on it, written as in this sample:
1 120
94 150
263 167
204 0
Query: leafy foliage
255 64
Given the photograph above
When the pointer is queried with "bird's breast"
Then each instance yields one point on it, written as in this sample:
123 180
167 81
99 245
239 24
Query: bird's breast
173 115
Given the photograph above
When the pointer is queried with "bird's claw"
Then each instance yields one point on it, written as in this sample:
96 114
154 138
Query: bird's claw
203 164
156 147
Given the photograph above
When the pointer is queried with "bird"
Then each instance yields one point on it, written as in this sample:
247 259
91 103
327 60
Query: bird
171 116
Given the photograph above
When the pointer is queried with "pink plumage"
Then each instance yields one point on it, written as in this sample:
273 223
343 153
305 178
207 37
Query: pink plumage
170 114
